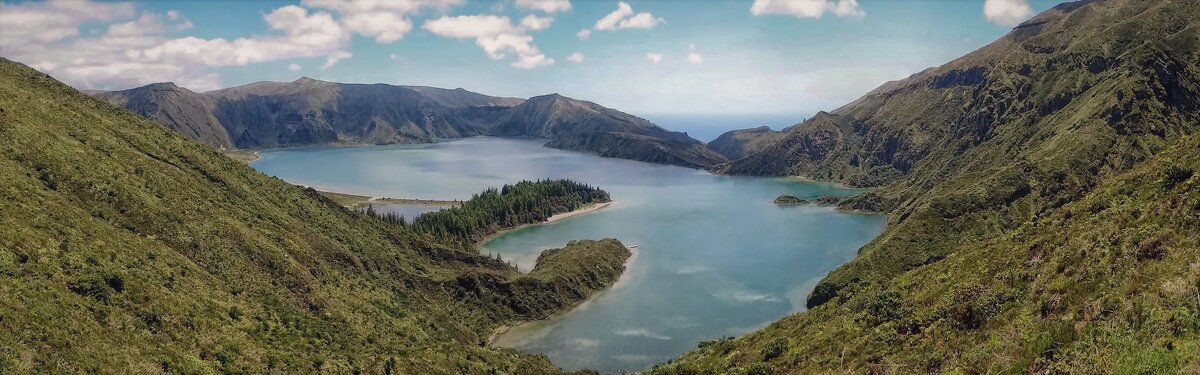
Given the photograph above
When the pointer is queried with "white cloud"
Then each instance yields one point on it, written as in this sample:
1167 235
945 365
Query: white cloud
147 23
51 21
654 58
384 27
496 35
393 57
1007 12
807 8
533 22
640 21
575 57
305 35
294 67
497 46
132 49
385 20
609 21
693 56
365 6
625 18
584 34
532 61
334 57
465 27
548 6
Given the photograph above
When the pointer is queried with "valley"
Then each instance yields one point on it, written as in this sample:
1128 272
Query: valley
1030 206
697 276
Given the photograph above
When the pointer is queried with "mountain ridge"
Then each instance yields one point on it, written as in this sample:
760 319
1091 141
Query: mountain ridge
308 112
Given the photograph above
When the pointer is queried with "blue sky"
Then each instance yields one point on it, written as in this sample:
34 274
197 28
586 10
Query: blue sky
784 59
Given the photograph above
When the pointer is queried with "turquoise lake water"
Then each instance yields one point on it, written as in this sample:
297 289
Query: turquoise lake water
715 257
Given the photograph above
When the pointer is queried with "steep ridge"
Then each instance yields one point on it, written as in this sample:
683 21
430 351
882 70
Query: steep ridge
460 98
313 112
984 165
585 126
180 109
736 144
125 247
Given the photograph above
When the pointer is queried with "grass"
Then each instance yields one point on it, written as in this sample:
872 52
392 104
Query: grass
1042 204
245 156
127 248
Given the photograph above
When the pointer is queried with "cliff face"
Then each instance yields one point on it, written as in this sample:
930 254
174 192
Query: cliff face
309 112
312 112
180 109
1030 185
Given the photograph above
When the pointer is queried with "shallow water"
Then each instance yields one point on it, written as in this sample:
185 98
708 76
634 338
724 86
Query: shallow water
715 256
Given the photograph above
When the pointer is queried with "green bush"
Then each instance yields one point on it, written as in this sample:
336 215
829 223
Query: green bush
1173 174
775 348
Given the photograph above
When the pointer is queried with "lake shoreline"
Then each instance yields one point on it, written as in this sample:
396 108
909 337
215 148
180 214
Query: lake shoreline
621 281
695 283
553 218
244 156
358 200
579 211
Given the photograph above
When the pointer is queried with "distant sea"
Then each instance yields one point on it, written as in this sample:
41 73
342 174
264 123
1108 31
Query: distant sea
710 126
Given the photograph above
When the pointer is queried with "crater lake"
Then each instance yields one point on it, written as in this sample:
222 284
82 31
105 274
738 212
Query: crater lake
714 256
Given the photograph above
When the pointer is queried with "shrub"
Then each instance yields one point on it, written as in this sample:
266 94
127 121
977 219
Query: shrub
775 348
721 346
1173 174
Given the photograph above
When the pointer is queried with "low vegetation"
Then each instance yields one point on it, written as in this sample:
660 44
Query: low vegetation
1109 281
790 200
1042 208
127 248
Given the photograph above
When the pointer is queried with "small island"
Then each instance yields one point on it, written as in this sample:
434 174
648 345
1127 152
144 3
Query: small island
792 200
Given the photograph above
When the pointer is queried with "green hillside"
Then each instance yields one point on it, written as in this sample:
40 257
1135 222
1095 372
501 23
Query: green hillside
125 248
1109 283
1042 208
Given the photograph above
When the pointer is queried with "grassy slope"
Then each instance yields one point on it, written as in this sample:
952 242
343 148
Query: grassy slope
976 156
1108 283
124 247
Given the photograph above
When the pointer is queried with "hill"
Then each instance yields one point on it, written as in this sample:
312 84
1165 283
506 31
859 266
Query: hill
125 247
585 126
180 109
736 144
1041 196
312 112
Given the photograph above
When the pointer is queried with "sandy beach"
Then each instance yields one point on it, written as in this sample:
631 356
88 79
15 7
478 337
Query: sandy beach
580 211
551 219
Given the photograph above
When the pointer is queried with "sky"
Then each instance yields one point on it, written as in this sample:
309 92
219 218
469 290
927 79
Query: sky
759 57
